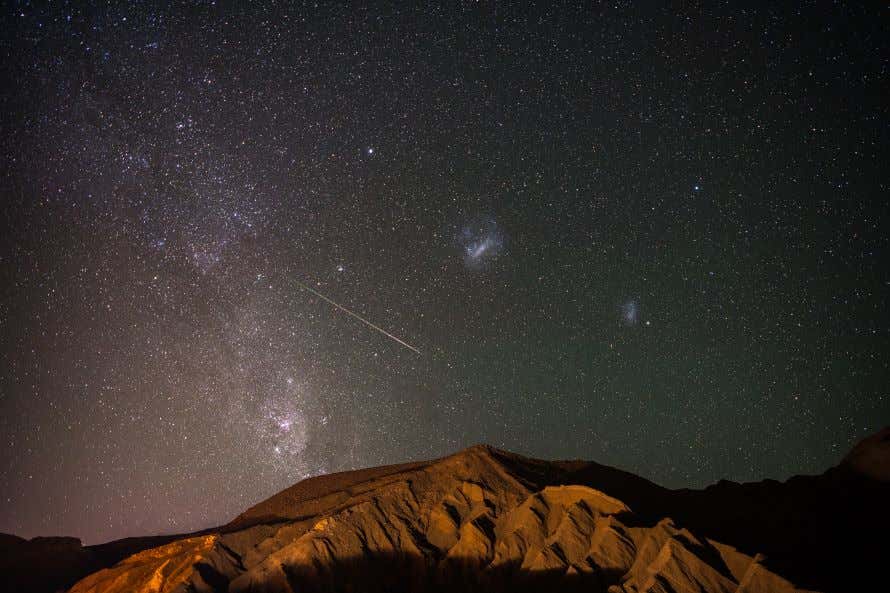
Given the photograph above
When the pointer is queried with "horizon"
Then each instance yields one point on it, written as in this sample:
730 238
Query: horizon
210 528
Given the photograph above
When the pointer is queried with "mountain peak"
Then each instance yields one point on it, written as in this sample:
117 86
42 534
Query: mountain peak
479 519
478 448
488 519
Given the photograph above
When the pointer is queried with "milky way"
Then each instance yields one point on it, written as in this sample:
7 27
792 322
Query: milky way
651 238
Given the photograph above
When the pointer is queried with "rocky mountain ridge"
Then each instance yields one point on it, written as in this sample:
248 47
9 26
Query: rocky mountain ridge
486 519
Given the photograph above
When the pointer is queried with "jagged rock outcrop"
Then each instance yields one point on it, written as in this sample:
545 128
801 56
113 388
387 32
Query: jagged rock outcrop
168 568
489 520
482 520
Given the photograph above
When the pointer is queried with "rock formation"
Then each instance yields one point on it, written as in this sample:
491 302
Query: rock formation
488 520
482 519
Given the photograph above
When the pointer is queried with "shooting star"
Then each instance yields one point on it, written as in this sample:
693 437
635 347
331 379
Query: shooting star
359 317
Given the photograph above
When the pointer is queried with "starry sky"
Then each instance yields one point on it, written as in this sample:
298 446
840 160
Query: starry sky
653 237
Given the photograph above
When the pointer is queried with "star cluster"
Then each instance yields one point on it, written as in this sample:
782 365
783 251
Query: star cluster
647 236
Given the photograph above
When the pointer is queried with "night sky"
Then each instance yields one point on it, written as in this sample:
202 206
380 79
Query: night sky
650 237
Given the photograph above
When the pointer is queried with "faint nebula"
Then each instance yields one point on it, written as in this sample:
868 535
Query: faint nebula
630 312
481 242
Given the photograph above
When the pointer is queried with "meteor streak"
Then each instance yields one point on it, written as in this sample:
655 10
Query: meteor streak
357 316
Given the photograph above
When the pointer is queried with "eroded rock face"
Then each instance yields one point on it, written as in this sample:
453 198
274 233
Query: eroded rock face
199 564
480 520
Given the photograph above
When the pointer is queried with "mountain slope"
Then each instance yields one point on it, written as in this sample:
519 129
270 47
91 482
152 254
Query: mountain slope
481 519
486 519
